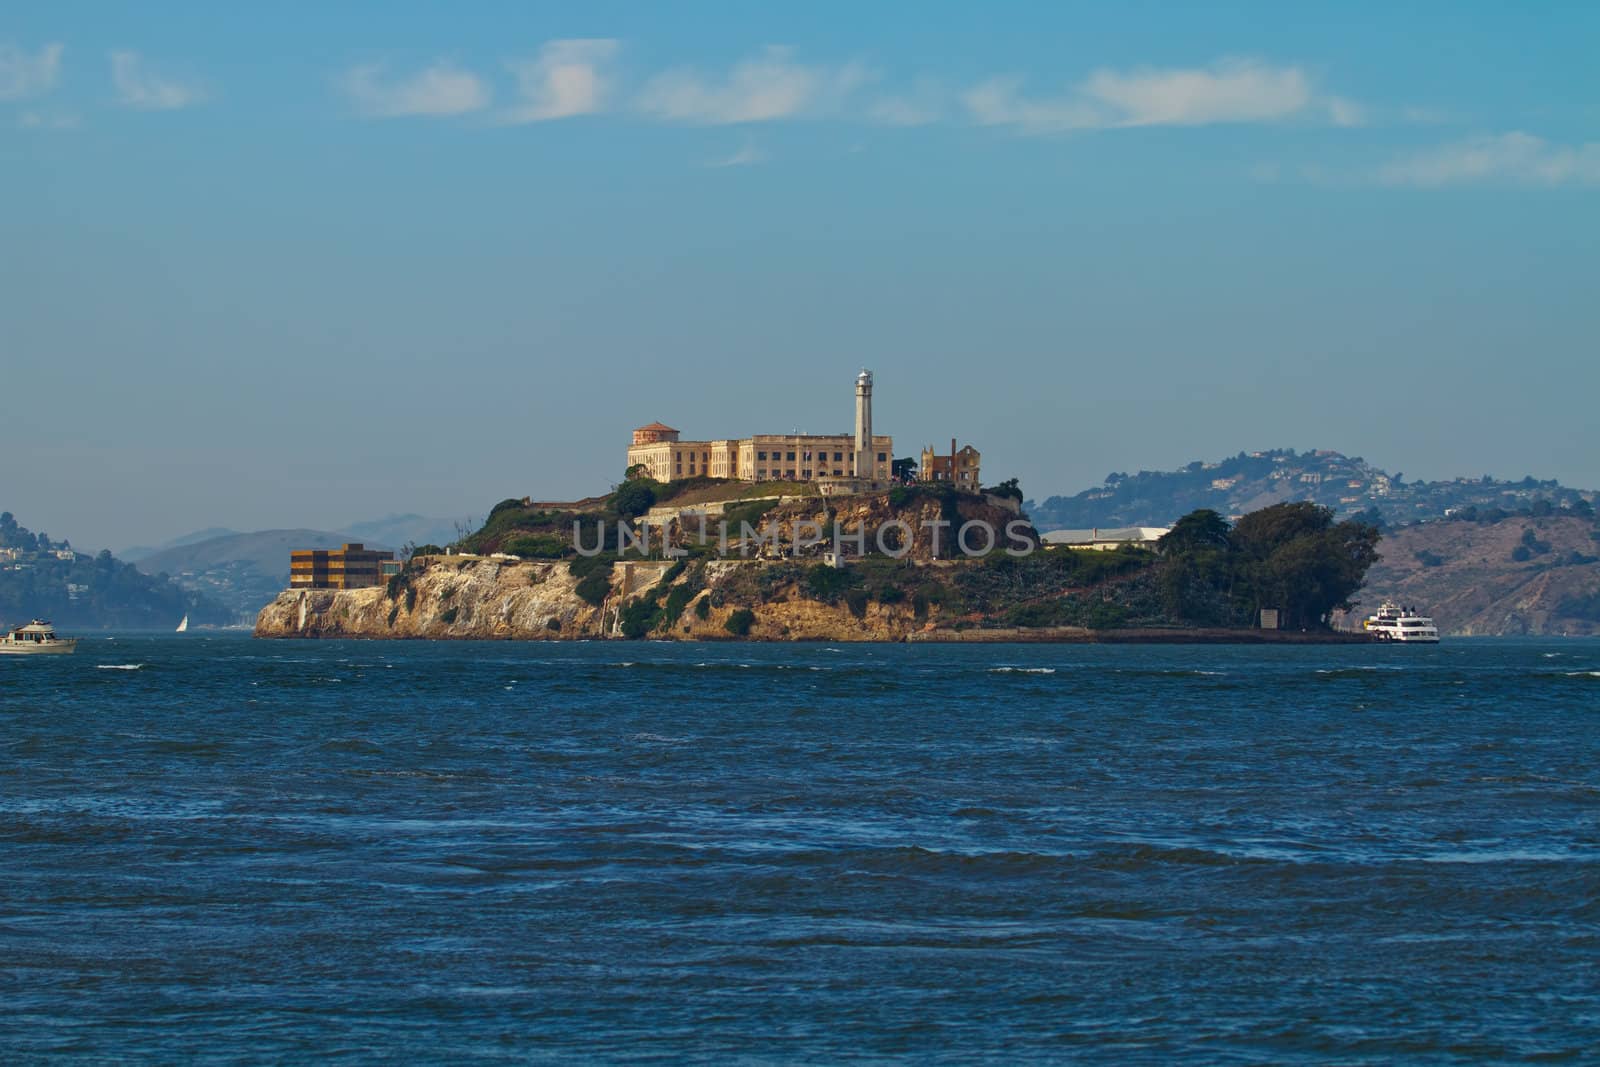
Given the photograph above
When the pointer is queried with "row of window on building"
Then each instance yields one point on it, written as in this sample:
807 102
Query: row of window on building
763 473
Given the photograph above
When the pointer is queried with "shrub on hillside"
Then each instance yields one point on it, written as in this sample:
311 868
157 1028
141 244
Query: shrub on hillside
750 511
538 546
826 583
594 577
677 599
633 499
594 588
638 618
739 622
1008 488
1038 613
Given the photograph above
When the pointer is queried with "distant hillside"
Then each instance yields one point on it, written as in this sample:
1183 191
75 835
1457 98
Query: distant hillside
138 552
1251 481
241 570
408 529
1517 575
44 578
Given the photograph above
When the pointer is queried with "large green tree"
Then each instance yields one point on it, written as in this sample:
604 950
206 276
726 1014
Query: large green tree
1292 557
1198 530
634 498
1295 558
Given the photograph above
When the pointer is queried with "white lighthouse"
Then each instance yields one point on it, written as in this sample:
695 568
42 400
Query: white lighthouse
866 467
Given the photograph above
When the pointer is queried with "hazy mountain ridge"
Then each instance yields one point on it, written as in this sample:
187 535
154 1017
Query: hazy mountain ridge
139 552
241 570
245 570
407 529
1250 481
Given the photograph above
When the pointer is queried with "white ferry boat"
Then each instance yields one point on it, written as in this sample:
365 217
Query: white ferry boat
38 638
1392 623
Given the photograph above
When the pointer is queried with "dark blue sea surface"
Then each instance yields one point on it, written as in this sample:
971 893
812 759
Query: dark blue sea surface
218 848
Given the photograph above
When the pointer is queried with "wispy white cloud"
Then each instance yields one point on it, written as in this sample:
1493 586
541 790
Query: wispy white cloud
139 87
999 102
23 75
567 78
48 120
1343 112
440 89
767 87
747 156
924 103
1230 91
1513 158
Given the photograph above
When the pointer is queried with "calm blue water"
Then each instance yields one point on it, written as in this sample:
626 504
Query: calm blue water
285 850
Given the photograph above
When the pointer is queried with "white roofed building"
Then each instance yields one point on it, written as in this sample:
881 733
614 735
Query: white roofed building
1104 538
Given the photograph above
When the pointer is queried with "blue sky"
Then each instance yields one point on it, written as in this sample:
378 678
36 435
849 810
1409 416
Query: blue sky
301 267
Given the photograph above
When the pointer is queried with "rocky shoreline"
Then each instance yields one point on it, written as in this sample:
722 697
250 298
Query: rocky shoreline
479 598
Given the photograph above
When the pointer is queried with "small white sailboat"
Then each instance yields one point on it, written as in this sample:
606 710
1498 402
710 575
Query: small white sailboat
183 625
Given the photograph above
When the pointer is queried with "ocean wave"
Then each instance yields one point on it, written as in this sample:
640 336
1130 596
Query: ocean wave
118 666
1022 670
350 744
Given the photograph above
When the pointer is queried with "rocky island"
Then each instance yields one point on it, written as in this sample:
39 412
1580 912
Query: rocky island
712 560
826 537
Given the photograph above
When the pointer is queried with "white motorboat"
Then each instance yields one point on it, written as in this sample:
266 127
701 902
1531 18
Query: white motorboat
1393 623
38 638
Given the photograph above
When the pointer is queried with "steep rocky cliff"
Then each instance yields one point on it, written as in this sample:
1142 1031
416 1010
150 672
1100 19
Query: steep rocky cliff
476 596
466 597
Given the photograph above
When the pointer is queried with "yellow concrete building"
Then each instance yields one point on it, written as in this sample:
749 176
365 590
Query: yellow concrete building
352 567
770 457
